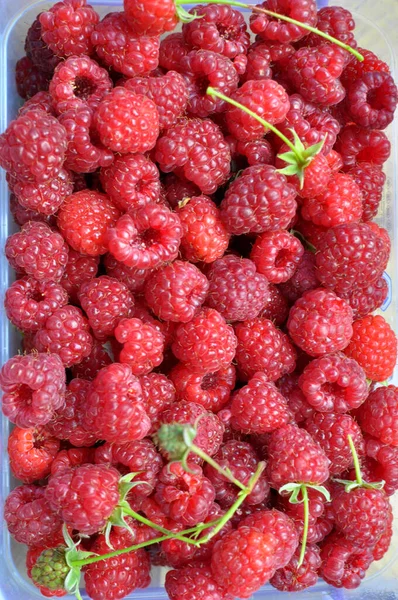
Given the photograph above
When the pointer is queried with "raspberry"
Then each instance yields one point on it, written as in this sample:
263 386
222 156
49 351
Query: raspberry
41 101
259 407
277 308
320 322
211 390
270 29
114 411
172 50
384 543
74 457
242 460
194 583
374 346
314 74
29 79
66 28
386 463
293 578
127 122
379 415
209 428
258 62
344 563
79 269
84 153
33 147
33 388
46 197
316 179
357 145
356 69
276 255
84 219
259 200
361 515
334 383
256 152
119 48
336 164
50 570
28 303
302 280
263 347
32 557
89 366
311 233
158 393
337 22
146 238
31 452
288 386
133 278
202 69
143 345
140 456
151 17
295 456
266 98
176 291
372 100
165 327
196 150
243 561
177 190
205 344
29 517
38 51
370 179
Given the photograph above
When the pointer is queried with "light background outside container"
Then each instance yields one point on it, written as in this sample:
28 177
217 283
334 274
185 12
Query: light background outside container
377 29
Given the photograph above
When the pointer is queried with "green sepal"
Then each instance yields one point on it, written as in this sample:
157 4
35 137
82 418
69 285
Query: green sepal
184 462
315 149
321 489
125 485
297 142
289 171
294 490
353 485
302 239
289 157
185 17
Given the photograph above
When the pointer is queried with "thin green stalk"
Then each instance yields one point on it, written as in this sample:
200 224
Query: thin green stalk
141 519
227 2
304 493
196 450
355 458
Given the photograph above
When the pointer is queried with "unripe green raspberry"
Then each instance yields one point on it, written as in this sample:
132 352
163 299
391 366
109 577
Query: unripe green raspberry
51 569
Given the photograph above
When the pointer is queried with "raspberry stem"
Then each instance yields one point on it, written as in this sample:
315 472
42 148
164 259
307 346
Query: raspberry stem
304 494
359 481
225 472
355 458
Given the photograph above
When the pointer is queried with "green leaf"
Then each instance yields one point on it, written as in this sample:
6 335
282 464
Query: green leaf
290 170
289 487
321 489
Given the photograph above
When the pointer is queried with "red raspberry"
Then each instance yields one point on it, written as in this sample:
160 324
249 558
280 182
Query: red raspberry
143 345
386 463
242 460
344 563
316 176
266 98
201 69
370 179
172 50
28 303
243 561
335 162
146 238
196 150
293 578
263 347
29 79
84 219
176 291
66 421
372 99
205 344
33 388
84 153
89 366
31 452
302 280
127 122
260 199
79 269
23 215
337 22
38 51
259 407
320 322
66 333
209 428
314 73
288 386
295 457
114 411
384 543
40 101
256 152
211 390
29 517
152 17
258 62
276 255
140 456
277 308
167 328
379 415
357 145
133 278
46 197
121 49
177 190
158 393
105 301
74 457
194 583
33 147
236 289
361 515
85 497
270 29
367 299
356 69
311 233
374 346
331 432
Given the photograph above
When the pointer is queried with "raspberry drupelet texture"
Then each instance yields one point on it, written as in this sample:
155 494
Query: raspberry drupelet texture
32 557
337 22
37 50
385 465
114 411
320 322
143 345
365 300
69 459
40 101
316 179
31 452
172 50
370 179
79 269
294 578
196 150
263 347
384 542
29 79
358 145
176 291
28 303
89 366
133 278
192 582
146 238
236 289
205 344
152 17
212 390
259 200
169 93
258 62
374 346
344 563
379 415
276 308
177 190
84 219
256 152
303 279
66 333
288 386
33 147
105 301
127 122
269 28
372 100
29 517
33 388
84 497
158 393
46 197
276 255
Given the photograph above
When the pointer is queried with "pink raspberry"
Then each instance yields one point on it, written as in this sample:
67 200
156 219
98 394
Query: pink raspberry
46 197
276 308
317 176
357 145
263 347
152 17
370 180
143 345
269 28
365 300
89 366
158 393
293 578
379 415
172 50
372 100
276 255
344 563
133 278
302 280
191 582
79 269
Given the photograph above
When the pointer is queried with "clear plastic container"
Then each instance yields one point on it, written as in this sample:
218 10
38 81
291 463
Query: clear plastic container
377 24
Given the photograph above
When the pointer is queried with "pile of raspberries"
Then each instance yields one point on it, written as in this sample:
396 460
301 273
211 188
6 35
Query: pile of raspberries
168 272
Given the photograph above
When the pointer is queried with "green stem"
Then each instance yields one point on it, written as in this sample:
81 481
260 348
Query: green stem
145 521
227 2
196 450
355 458
304 493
